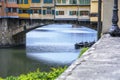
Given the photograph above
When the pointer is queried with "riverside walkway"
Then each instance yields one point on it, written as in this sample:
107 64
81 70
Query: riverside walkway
100 62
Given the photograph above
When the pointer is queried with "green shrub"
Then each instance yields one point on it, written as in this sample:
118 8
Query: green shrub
1 78
37 75
83 50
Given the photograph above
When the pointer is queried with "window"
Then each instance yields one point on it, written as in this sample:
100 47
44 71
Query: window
30 11
20 11
14 9
84 2
59 12
94 14
9 10
73 1
20 1
44 12
40 11
73 13
25 1
25 11
84 13
63 1
36 11
35 1
48 1
48 10
58 1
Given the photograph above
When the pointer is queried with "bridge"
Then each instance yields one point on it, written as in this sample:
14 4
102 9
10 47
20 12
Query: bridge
13 31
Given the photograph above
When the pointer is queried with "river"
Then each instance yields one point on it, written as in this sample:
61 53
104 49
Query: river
46 47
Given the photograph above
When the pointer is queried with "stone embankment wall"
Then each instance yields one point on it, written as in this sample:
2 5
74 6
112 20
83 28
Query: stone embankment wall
100 62
6 28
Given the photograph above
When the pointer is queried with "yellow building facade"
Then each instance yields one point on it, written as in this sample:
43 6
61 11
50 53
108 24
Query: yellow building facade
24 8
80 10
94 11
72 10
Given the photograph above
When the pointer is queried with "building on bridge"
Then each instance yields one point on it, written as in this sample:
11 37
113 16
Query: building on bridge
36 7
66 10
24 11
48 9
84 10
94 12
75 10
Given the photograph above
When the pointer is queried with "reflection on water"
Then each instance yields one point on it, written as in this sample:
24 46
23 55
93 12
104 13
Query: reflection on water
48 46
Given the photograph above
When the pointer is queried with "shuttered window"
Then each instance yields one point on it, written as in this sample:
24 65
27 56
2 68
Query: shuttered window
73 13
44 12
84 13
35 1
59 12
56 12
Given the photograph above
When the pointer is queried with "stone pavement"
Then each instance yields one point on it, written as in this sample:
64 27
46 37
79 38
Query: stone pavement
100 62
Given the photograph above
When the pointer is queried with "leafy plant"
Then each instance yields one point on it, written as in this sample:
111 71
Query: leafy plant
83 50
1 78
38 75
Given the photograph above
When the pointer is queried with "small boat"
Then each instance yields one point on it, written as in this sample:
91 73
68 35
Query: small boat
84 44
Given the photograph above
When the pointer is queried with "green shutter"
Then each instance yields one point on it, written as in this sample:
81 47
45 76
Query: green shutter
57 13
70 12
63 1
77 13
53 12
44 12
40 11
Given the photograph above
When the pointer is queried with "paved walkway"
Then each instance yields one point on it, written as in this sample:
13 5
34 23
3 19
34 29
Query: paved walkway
100 62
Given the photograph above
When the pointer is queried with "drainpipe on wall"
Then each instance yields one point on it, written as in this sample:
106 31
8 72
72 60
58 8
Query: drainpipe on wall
99 26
